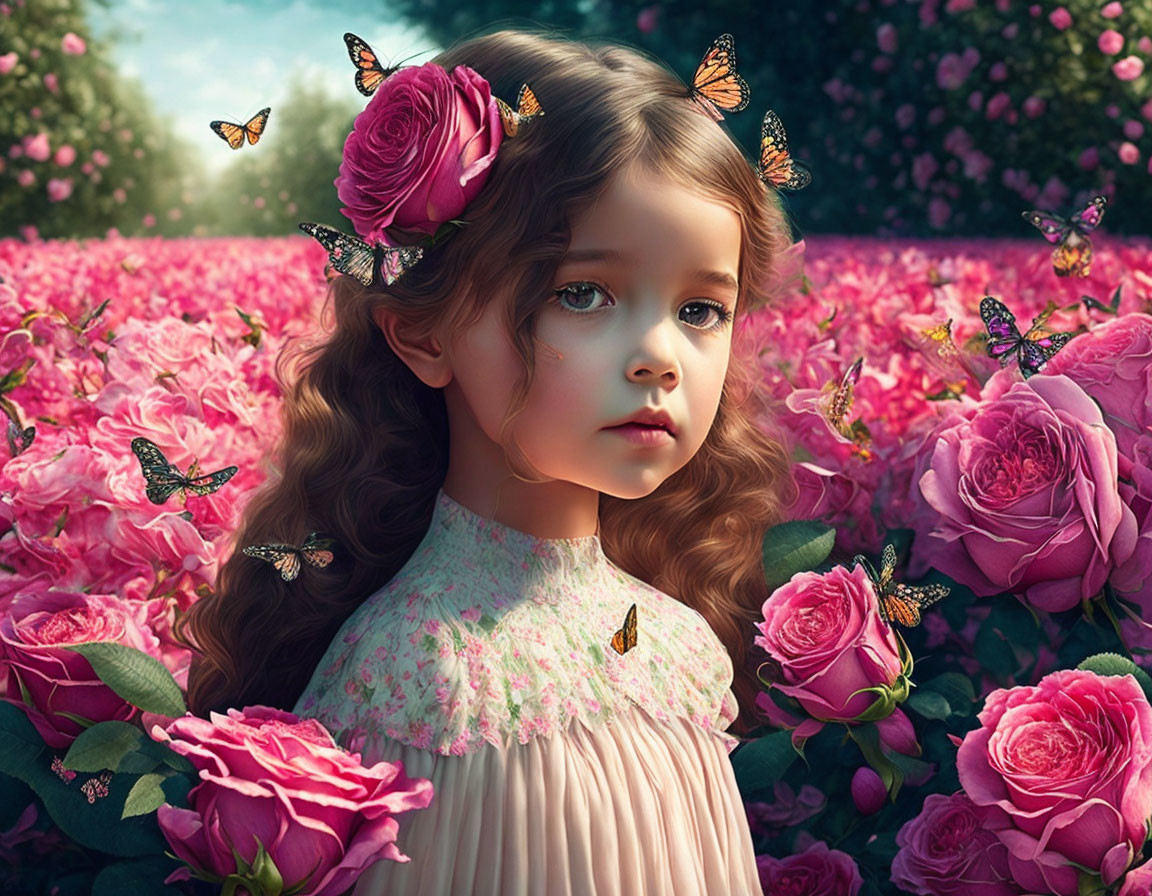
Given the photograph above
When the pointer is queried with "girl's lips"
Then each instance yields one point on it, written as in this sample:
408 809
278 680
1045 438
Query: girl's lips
642 434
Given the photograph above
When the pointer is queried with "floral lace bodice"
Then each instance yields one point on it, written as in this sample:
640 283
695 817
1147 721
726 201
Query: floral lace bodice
489 635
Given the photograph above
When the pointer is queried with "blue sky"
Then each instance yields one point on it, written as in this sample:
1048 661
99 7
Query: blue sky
201 60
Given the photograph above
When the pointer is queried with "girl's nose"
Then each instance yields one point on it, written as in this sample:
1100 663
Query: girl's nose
654 361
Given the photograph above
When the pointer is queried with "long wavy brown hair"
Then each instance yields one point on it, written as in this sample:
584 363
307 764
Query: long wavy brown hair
364 444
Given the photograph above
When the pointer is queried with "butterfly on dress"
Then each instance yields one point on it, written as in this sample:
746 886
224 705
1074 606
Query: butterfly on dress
527 108
715 85
163 479
287 558
898 602
1072 256
1032 349
353 256
777 168
370 74
235 134
625 637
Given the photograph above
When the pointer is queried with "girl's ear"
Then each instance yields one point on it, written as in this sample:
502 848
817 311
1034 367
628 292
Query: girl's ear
425 357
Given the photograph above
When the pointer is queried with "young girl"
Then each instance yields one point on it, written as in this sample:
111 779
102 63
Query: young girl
538 456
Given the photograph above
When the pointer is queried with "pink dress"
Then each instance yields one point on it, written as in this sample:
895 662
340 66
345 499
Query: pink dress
559 766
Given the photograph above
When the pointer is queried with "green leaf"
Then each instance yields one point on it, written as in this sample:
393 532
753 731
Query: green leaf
139 877
764 761
792 547
145 796
1115 664
929 704
954 687
102 746
135 676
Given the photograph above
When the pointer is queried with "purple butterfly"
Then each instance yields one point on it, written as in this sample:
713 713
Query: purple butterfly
1073 254
1032 350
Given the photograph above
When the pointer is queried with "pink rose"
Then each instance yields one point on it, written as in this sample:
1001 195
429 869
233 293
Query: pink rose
1068 763
1128 153
65 156
1129 68
825 634
818 871
37 147
8 62
887 38
1112 10
1022 495
951 849
1110 42
266 774
420 151
1060 18
34 658
1138 881
73 44
869 793
59 188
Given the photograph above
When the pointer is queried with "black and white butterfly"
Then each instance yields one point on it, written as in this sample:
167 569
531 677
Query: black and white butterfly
315 551
353 256
19 437
163 479
898 602
1031 349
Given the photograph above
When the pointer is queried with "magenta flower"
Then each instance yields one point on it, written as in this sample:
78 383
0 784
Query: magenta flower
1112 10
59 189
1128 153
1129 68
8 62
1034 107
1133 129
1110 42
72 44
886 38
648 19
65 156
1060 18
36 148
1089 159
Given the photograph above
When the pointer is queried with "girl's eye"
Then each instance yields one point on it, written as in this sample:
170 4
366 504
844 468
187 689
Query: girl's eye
706 315
582 297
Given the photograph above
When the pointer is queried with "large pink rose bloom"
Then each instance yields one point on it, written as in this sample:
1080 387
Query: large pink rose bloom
950 849
818 871
35 659
266 774
1024 496
420 151
1068 763
825 634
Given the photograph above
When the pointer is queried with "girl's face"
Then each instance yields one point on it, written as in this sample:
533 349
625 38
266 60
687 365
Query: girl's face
641 322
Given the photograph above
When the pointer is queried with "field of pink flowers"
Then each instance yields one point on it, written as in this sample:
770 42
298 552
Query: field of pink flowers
105 341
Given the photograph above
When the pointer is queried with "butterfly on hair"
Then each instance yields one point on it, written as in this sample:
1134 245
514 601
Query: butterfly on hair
716 85
898 602
527 108
235 134
776 167
360 259
1032 349
163 479
1072 256
370 74
315 551
624 638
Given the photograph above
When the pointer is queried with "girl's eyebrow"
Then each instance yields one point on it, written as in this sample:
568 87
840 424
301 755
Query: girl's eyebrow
614 256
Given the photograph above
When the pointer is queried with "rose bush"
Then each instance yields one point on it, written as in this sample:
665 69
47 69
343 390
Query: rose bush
420 151
817 871
1064 771
270 779
56 682
1023 495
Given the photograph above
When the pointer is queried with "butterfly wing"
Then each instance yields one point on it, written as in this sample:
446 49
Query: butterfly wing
347 254
284 557
161 478
1088 219
1003 337
527 108
370 74
716 85
887 568
1054 227
255 126
904 604
1073 257
210 482
776 166
19 439
508 117
315 551
232 133
625 638
395 260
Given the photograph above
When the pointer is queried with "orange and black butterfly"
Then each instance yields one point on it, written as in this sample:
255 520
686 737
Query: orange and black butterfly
898 602
353 256
625 637
287 558
370 74
163 479
776 167
527 108
236 133
716 85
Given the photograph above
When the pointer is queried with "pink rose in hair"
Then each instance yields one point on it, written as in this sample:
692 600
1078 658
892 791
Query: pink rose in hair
818 871
1021 495
34 659
951 849
420 151
266 774
825 635
1068 763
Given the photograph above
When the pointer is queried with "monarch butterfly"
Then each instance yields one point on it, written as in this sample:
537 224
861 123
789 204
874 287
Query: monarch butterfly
370 74
625 637
776 167
286 558
716 85
1072 256
163 479
1032 350
527 108
898 602
235 133
351 255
